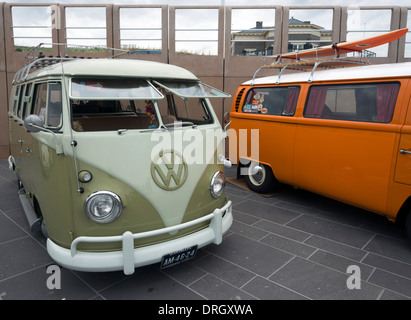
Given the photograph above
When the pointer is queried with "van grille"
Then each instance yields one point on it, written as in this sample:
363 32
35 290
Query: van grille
238 99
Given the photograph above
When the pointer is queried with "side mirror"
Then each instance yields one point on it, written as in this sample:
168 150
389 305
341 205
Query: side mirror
33 123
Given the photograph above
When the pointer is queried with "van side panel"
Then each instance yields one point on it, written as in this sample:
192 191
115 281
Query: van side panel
401 185
276 135
349 164
276 142
347 160
403 165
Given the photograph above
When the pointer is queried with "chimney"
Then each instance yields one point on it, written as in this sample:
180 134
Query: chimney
259 25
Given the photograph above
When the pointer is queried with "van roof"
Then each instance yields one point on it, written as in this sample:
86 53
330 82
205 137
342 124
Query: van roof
115 67
362 72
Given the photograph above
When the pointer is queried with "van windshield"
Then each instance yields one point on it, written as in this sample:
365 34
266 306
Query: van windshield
186 89
110 115
103 89
176 111
186 102
108 104
116 104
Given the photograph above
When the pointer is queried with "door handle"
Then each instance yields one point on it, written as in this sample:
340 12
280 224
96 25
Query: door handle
402 151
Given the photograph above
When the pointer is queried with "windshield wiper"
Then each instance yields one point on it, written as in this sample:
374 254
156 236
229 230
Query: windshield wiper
180 124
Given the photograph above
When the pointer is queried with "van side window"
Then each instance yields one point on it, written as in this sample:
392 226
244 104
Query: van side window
16 100
272 101
356 102
40 100
54 105
20 102
47 103
26 100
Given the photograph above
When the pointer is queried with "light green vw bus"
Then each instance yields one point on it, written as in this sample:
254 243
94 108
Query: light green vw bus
120 162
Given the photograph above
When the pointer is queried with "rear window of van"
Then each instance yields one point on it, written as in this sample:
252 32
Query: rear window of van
353 102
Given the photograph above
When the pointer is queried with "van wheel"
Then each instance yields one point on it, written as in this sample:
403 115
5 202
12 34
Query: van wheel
262 180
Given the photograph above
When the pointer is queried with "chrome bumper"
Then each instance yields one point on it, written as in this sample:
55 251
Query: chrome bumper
129 257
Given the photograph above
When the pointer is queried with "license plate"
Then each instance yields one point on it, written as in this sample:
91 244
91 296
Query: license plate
174 258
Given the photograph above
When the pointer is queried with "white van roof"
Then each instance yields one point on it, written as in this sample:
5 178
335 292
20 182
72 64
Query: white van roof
115 67
361 72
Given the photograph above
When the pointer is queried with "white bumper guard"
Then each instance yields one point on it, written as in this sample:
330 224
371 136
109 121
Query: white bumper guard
129 257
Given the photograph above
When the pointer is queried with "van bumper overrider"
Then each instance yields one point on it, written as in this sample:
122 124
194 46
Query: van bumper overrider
129 257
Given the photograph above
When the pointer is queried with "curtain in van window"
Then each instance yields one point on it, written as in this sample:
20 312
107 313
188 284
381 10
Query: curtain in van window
386 98
292 100
316 101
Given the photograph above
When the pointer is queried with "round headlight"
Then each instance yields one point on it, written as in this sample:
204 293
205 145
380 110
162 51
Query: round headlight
103 206
217 184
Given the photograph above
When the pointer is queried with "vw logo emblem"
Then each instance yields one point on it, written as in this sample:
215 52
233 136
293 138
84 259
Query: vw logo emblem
169 170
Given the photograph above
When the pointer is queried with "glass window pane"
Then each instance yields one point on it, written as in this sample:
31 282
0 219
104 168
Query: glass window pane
365 102
309 29
407 53
54 106
196 31
113 89
368 23
40 100
192 89
31 32
252 32
86 26
141 29
272 101
113 115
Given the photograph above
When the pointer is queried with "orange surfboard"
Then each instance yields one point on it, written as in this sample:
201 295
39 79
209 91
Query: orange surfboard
345 47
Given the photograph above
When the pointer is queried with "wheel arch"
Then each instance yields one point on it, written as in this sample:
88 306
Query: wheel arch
245 162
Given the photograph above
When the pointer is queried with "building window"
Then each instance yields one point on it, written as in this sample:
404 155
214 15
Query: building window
407 53
196 31
365 23
252 32
86 27
141 30
28 33
309 29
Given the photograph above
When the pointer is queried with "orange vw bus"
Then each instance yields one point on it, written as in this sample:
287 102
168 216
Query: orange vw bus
343 133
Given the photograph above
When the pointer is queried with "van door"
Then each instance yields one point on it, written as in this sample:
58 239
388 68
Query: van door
345 142
403 166
44 100
21 144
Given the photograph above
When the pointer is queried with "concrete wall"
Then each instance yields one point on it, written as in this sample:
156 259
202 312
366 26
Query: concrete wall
222 70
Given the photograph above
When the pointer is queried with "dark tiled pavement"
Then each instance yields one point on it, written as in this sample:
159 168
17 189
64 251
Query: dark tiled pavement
295 245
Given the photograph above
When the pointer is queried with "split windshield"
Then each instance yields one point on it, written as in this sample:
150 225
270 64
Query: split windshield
100 89
117 104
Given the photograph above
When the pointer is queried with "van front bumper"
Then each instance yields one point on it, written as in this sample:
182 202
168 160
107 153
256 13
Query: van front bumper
129 257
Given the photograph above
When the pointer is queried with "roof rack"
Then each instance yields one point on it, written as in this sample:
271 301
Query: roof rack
332 56
35 59
311 66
